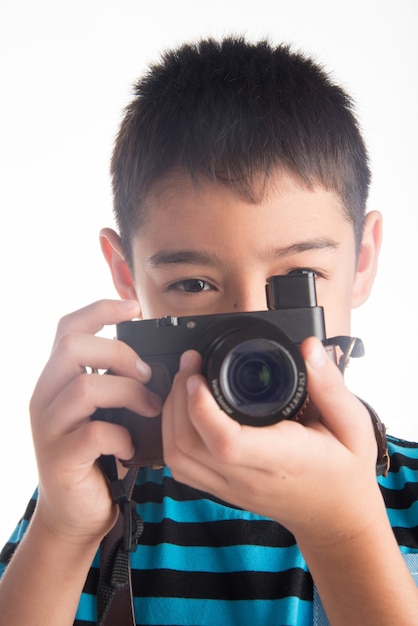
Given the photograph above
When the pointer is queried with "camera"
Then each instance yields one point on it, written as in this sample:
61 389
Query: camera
251 360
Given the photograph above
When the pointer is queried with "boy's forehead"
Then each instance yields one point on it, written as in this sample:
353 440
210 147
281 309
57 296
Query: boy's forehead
183 215
173 192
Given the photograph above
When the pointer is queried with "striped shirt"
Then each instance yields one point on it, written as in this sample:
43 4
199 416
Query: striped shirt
203 562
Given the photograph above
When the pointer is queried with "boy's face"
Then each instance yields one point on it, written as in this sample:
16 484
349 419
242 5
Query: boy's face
204 249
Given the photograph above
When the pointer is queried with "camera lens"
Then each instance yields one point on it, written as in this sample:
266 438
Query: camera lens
258 377
255 372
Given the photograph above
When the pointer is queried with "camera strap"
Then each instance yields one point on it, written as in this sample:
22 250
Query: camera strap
383 460
114 593
352 347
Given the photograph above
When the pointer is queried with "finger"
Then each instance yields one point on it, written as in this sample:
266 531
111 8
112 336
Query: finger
76 351
178 432
67 358
78 400
184 451
85 444
341 412
221 441
94 317
238 445
185 434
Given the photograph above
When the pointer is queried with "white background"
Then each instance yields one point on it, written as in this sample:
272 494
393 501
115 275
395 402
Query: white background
66 70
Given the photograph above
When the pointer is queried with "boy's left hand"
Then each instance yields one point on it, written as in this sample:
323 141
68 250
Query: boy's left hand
317 479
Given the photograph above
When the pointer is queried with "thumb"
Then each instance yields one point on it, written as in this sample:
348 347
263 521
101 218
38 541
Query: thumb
341 412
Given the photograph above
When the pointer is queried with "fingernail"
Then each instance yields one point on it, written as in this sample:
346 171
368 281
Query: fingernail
317 357
155 401
192 384
143 369
186 360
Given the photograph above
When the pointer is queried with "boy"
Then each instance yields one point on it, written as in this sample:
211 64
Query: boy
234 162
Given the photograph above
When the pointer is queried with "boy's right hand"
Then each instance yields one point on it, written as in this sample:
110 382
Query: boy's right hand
74 500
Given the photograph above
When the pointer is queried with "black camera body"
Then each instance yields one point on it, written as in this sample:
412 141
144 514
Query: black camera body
251 360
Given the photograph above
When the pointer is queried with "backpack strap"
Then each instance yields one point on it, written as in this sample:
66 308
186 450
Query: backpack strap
114 593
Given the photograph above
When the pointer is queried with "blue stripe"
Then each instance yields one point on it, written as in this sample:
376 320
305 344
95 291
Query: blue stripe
87 608
192 511
408 552
404 518
406 448
174 611
227 559
398 480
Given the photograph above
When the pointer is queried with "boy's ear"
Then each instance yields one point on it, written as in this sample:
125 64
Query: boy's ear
122 277
368 258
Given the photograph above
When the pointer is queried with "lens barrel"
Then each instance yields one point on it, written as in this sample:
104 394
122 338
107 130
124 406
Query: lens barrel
255 372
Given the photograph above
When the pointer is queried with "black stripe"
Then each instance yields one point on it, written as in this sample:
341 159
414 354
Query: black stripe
155 492
223 586
407 537
218 534
398 460
27 516
92 582
10 547
7 552
150 491
400 498
214 585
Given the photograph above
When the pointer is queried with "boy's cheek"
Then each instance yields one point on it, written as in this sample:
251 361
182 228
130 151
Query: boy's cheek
337 313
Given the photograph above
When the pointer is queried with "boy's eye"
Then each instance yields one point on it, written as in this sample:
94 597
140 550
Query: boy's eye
306 269
191 285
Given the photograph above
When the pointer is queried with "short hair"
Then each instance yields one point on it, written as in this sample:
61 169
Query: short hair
232 111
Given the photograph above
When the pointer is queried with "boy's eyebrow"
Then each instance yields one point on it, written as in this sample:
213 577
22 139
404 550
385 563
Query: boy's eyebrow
199 257
304 246
187 257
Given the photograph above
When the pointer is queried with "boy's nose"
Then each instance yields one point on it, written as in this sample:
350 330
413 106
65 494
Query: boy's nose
253 299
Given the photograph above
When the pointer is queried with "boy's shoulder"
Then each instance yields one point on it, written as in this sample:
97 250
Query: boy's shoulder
400 491
402 453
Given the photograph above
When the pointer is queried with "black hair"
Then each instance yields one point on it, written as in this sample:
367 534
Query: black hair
234 111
